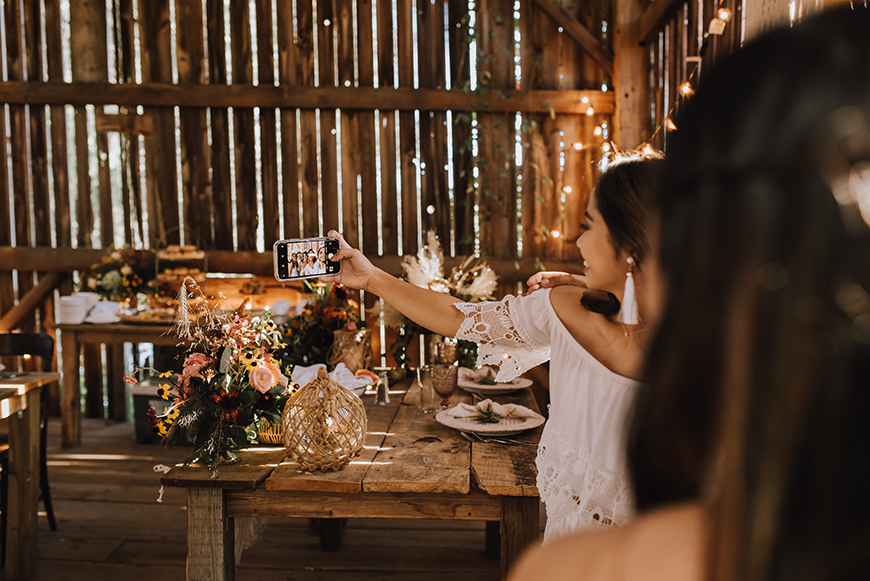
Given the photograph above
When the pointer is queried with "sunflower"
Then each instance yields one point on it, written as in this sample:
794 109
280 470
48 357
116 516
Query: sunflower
164 390
228 406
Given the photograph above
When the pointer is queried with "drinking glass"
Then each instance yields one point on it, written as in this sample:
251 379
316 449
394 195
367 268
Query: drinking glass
444 381
429 403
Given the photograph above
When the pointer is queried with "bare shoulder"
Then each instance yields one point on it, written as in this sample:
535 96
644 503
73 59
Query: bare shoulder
667 544
566 302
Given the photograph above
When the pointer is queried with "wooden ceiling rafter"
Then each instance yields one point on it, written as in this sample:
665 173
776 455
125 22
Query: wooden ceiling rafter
581 35
656 12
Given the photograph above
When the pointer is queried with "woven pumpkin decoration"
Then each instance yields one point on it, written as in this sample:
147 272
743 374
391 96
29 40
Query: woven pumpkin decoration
324 425
353 348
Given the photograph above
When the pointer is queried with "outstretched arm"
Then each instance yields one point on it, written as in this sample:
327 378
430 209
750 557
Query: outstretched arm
428 308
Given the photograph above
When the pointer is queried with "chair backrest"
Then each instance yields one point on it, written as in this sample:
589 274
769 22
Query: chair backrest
38 344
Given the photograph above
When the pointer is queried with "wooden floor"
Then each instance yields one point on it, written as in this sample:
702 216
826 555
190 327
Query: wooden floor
110 527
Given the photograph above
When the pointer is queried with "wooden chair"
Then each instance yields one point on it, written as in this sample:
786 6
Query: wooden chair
42 346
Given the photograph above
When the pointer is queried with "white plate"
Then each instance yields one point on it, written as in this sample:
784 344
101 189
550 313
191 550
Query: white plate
506 427
472 386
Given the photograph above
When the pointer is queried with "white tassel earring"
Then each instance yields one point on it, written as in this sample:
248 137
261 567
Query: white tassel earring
628 310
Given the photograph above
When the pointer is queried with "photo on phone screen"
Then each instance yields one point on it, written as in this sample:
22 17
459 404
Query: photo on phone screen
304 258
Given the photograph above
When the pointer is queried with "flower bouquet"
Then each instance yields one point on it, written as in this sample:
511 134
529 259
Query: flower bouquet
309 335
472 281
123 273
228 384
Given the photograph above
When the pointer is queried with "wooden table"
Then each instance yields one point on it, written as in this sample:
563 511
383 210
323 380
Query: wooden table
72 339
19 401
411 467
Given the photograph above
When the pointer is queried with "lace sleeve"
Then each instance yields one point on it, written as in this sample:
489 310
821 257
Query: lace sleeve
510 335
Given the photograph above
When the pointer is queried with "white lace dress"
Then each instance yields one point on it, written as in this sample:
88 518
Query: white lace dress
581 458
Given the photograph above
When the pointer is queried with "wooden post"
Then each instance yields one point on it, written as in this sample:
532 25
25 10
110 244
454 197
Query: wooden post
23 490
519 528
210 536
71 417
631 79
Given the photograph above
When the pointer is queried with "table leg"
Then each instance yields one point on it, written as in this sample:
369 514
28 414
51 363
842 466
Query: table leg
23 500
519 528
117 388
70 401
210 536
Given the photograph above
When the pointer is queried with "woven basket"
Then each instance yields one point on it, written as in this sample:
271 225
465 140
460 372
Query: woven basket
269 433
353 348
324 425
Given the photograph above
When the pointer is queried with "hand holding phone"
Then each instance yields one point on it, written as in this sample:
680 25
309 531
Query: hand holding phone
302 258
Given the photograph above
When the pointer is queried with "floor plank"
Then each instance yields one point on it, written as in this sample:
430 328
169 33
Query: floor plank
111 527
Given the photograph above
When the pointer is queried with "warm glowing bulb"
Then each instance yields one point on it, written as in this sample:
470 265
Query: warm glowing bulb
584 100
26 356
555 233
590 111
567 189
597 131
724 14
605 148
670 124
686 89
267 308
578 146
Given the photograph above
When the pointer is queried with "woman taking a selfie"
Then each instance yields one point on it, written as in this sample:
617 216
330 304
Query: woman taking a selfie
595 357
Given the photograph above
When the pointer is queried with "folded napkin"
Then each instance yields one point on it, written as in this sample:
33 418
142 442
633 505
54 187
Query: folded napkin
507 410
475 375
303 375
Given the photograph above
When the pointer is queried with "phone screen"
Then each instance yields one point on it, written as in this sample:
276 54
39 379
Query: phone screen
305 258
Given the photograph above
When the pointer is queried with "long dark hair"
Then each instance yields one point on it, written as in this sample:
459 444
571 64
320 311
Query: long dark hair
624 193
759 377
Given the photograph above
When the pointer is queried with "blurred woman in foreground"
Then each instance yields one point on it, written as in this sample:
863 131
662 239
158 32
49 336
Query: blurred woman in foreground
750 441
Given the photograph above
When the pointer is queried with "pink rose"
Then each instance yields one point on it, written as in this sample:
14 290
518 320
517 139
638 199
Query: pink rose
262 378
276 372
194 363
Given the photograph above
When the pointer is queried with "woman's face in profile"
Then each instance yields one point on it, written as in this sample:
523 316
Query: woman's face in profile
604 266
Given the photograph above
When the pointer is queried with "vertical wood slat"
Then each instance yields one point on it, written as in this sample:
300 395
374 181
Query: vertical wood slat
460 72
160 145
131 193
18 129
243 129
326 31
366 132
350 145
287 51
268 131
407 131
497 184
195 158
220 151
304 64
433 130
59 168
387 134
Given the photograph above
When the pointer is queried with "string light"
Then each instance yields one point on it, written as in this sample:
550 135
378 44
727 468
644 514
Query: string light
597 131
555 233
578 146
590 111
567 189
716 26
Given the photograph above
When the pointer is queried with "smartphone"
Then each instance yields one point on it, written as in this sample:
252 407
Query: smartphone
305 258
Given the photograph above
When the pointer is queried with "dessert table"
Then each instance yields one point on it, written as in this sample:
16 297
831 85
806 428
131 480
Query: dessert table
19 402
411 467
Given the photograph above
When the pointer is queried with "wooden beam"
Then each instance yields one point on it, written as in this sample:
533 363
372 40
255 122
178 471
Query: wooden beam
257 263
654 14
32 299
352 98
631 76
124 123
579 33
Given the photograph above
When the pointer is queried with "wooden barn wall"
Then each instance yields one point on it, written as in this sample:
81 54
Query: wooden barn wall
681 48
152 122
